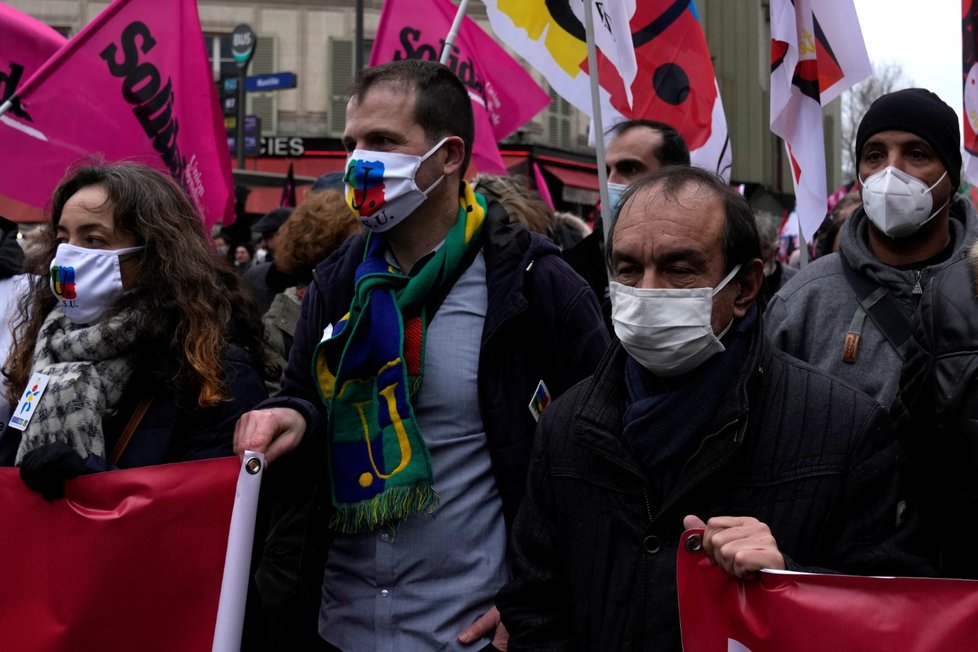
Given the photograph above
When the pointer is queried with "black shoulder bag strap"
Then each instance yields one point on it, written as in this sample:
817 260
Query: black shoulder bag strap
877 302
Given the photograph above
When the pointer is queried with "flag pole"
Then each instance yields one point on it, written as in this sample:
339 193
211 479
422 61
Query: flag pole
592 64
358 38
453 32
802 245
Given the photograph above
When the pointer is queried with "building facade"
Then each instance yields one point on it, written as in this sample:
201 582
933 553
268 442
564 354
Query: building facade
315 40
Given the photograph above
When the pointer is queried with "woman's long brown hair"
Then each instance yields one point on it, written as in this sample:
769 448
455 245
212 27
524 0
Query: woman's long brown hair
188 303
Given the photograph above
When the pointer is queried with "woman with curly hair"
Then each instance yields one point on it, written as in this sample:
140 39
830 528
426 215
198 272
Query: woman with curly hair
150 345
317 227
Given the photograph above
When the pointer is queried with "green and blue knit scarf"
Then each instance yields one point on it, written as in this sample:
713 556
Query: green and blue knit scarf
368 369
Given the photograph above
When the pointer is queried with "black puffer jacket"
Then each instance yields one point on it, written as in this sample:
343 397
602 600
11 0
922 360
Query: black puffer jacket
542 322
595 558
937 413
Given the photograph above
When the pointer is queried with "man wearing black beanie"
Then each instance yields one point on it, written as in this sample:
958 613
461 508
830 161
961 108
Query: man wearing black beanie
850 313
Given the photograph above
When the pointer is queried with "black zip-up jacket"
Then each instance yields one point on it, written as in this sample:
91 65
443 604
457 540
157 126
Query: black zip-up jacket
936 413
542 323
595 559
11 254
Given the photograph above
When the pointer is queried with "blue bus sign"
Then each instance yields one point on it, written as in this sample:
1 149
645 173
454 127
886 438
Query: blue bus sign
275 81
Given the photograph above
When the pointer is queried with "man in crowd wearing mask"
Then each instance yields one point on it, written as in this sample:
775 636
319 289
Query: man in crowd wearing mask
13 285
849 313
776 273
692 416
264 278
425 352
637 148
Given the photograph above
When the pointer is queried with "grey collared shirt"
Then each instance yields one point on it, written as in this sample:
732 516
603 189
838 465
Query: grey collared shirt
418 588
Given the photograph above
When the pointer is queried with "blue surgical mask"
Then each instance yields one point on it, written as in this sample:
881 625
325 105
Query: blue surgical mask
615 191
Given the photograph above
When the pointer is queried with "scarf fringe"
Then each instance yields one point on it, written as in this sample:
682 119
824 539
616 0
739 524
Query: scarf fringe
386 509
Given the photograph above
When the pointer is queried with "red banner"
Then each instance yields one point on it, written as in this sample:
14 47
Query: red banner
804 612
128 560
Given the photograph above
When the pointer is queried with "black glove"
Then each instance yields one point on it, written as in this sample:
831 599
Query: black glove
46 468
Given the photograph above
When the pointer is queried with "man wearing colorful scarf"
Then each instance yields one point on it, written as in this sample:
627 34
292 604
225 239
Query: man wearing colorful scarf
425 352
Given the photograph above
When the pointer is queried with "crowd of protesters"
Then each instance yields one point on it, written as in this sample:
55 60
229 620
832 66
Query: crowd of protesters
486 424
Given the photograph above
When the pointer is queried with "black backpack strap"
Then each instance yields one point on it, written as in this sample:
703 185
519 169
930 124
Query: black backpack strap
876 301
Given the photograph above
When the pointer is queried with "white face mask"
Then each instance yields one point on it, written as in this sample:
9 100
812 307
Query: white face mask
897 203
86 281
615 191
381 189
668 331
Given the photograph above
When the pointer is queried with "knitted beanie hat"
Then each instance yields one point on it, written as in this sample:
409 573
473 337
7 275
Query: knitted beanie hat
920 112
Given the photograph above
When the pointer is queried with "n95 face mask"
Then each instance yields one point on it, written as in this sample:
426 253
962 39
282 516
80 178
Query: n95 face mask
897 203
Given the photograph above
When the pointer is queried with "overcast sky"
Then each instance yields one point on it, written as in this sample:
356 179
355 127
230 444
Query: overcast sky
923 36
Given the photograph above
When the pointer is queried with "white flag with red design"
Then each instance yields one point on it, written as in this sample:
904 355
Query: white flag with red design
969 56
817 52
653 64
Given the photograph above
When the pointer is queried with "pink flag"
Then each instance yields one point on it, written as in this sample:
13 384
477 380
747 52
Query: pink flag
817 52
805 612
128 560
25 45
134 85
542 186
504 97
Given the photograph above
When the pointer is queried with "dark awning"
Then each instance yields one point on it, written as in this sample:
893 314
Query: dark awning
574 177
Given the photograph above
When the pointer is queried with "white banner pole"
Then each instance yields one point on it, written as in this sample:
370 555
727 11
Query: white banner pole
237 562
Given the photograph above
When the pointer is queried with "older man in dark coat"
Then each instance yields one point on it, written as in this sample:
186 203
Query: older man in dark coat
693 415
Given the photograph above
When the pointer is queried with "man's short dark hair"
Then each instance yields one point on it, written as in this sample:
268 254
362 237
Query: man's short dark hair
673 150
740 241
442 106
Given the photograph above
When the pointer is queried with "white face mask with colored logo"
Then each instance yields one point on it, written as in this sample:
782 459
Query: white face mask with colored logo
897 203
87 281
668 331
381 189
